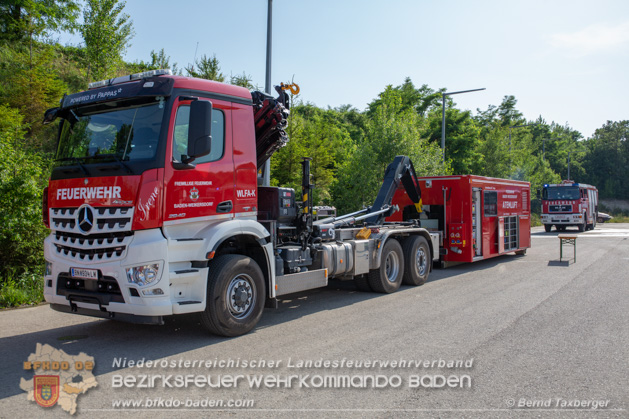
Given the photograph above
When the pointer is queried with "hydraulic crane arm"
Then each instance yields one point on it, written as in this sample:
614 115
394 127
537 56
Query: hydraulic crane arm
400 170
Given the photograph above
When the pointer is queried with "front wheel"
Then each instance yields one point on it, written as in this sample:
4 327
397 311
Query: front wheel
548 227
388 277
583 226
235 296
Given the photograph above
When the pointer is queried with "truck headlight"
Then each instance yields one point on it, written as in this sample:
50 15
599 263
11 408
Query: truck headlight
143 275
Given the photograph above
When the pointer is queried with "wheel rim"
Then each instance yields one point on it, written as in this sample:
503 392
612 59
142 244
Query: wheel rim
241 295
420 261
392 267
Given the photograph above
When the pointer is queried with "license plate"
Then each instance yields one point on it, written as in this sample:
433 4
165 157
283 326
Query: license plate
84 273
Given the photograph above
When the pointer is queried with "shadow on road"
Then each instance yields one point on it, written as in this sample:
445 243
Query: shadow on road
564 263
107 339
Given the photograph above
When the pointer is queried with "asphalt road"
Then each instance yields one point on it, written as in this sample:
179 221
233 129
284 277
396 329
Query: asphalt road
536 338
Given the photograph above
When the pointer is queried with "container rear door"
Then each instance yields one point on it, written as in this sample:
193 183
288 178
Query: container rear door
501 235
477 227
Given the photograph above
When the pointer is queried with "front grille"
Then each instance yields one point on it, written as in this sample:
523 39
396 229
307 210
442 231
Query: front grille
560 208
106 219
107 240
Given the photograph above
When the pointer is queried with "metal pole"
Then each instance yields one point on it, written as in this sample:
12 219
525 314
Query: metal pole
269 36
266 181
443 128
443 117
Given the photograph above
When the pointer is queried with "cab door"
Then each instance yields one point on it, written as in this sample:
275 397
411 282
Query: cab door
205 189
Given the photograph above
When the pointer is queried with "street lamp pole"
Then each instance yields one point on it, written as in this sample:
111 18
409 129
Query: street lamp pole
544 147
443 117
266 180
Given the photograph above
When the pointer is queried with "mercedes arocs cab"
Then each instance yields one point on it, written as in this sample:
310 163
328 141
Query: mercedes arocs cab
154 209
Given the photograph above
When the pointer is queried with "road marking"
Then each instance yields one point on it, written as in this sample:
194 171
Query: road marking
611 235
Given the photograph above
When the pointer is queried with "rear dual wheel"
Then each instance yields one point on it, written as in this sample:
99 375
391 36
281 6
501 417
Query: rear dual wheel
388 277
416 260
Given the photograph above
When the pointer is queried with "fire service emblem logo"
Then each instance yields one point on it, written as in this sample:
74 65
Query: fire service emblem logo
46 390
59 379
194 194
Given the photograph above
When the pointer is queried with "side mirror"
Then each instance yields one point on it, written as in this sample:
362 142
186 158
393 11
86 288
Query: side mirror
50 115
199 129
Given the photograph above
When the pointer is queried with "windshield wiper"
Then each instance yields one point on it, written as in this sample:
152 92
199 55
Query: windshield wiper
115 157
77 161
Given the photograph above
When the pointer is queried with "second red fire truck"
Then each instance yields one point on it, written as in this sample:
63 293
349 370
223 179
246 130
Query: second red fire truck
569 204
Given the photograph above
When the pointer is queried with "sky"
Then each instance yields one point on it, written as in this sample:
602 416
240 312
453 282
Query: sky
566 61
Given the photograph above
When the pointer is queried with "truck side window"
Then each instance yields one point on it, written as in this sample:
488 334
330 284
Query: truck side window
180 140
490 205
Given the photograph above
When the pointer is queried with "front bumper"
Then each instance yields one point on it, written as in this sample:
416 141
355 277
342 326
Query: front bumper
112 295
129 318
562 219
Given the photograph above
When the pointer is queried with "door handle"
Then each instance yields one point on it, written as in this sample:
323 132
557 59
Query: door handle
225 206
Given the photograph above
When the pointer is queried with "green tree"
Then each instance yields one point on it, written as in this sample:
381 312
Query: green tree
159 60
317 134
30 86
206 68
107 33
393 127
29 19
607 160
243 80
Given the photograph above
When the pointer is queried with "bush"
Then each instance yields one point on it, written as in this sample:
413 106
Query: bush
23 175
25 289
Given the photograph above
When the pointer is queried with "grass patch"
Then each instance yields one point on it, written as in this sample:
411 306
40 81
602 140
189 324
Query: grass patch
24 289
618 219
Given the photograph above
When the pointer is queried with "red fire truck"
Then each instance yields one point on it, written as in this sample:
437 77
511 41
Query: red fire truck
569 204
155 210
477 217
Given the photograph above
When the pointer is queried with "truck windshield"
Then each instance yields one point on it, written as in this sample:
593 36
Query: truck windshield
100 133
562 192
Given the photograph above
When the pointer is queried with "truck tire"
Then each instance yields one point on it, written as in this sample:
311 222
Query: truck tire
416 260
362 283
388 277
235 296
548 227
